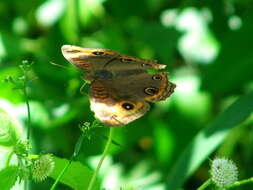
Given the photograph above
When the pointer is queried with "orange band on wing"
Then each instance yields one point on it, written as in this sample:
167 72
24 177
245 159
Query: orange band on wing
101 96
165 90
98 89
79 60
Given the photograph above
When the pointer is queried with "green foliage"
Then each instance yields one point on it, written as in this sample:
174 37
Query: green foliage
77 176
9 130
208 139
8 177
235 59
207 47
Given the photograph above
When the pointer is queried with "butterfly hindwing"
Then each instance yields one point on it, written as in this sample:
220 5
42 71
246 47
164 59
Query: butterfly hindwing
114 110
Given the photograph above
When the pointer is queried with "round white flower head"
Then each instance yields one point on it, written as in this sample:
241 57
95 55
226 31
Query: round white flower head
42 167
223 172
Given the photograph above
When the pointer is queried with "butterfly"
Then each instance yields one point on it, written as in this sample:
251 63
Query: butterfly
121 86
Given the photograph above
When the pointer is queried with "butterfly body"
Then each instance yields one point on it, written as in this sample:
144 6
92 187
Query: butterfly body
120 84
103 74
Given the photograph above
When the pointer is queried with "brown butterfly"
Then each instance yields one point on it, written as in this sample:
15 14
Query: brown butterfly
120 84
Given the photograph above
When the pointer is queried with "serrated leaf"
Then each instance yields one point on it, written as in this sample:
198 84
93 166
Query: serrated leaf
77 175
9 135
8 177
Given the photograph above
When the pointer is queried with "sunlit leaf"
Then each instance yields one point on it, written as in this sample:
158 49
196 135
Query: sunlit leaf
77 176
90 10
9 134
8 177
207 140
55 7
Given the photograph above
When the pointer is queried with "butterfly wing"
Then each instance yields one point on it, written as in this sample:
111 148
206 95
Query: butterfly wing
114 110
121 101
120 84
92 59
142 86
88 59
124 62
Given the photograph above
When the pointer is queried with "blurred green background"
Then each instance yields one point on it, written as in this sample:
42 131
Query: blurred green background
206 45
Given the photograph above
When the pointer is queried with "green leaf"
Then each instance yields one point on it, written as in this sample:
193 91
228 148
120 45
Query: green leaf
233 67
164 142
40 118
7 91
164 42
8 177
70 19
11 44
77 175
208 139
89 11
55 7
9 135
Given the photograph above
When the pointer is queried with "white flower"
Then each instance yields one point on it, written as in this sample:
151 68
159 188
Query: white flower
42 167
223 172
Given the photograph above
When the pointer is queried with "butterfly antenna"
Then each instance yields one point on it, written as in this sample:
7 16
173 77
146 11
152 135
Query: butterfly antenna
82 91
58 65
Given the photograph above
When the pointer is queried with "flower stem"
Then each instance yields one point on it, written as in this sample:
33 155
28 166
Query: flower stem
204 185
108 143
61 174
28 108
76 151
27 183
8 160
239 183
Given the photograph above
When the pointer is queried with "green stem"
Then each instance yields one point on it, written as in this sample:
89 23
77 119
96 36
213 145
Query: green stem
76 151
204 185
28 110
108 143
26 185
61 174
9 159
239 183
